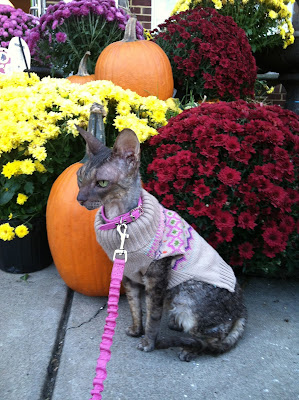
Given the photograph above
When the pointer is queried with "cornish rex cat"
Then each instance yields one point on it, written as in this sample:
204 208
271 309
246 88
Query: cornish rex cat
167 259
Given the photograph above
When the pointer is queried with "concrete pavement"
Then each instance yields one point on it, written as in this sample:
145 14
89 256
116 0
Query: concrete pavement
50 336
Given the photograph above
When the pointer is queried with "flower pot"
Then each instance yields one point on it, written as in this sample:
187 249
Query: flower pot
42 72
286 62
279 59
29 254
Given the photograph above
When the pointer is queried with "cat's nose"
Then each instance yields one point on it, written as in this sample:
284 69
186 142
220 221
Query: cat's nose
81 198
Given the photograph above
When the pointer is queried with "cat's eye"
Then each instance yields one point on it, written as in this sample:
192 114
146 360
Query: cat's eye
102 184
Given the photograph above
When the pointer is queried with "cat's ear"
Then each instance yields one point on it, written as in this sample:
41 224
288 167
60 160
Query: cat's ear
93 145
127 147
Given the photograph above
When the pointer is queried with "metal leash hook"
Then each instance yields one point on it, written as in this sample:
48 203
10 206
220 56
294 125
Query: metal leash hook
110 323
123 237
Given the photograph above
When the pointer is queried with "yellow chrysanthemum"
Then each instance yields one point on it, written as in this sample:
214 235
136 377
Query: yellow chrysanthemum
21 199
39 167
147 34
123 108
27 166
270 90
272 14
21 231
6 232
120 123
159 116
10 216
38 152
218 4
11 168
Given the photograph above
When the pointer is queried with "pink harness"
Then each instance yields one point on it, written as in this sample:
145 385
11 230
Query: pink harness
120 223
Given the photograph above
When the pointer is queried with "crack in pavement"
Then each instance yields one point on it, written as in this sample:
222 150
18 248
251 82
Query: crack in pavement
90 319
52 369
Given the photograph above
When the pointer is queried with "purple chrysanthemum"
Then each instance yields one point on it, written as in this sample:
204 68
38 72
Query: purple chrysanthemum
61 37
15 22
77 21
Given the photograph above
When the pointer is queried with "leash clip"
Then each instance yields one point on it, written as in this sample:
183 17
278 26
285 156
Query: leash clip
123 236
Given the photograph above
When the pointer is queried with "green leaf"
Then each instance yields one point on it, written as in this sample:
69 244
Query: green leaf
8 192
12 185
44 178
6 196
25 277
29 187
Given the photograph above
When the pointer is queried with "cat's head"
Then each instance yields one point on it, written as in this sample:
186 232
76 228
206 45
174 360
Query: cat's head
109 175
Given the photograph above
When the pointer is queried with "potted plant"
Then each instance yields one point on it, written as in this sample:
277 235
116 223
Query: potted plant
39 140
266 23
231 170
15 22
209 54
68 30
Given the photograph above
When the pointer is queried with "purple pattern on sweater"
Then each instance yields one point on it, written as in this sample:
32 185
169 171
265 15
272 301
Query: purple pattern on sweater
189 238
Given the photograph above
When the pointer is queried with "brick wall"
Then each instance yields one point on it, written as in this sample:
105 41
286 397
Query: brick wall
143 11
278 97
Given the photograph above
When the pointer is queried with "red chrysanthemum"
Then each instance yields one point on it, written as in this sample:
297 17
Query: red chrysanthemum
210 55
229 176
224 220
198 209
232 144
207 168
168 201
272 236
246 220
185 172
246 250
225 234
213 212
179 184
161 188
200 189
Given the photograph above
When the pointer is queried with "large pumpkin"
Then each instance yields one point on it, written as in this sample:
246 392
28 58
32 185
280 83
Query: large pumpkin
139 65
79 259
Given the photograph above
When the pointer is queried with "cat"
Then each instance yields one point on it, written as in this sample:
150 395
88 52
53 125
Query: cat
213 317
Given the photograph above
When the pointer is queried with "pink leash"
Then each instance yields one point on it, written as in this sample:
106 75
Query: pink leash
110 324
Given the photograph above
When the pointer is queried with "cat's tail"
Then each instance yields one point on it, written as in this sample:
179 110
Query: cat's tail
208 344
180 342
231 339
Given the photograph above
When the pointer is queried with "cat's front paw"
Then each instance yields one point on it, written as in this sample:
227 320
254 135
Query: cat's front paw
146 344
134 332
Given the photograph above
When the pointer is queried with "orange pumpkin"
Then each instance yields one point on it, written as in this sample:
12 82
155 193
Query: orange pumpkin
82 74
139 65
79 259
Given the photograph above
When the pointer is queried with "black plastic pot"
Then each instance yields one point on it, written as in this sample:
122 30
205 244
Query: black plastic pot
279 59
42 72
29 254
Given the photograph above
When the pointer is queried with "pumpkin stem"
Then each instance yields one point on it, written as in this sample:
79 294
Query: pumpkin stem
82 70
130 31
96 124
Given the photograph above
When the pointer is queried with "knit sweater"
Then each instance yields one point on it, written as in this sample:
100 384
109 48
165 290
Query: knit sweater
160 233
